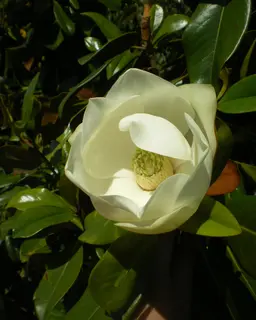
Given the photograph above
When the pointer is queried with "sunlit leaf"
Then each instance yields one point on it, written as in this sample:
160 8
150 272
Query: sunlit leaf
241 97
212 37
63 20
212 219
55 283
109 29
99 230
171 24
113 279
28 102
245 65
156 17
87 308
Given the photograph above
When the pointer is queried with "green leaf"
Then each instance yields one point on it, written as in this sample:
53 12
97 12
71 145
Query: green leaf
55 284
241 97
112 4
33 198
74 4
111 49
33 220
109 29
224 149
33 246
171 24
87 308
156 17
63 20
7 180
80 85
28 101
244 245
92 44
212 219
249 169
245 65
99 230
112 280
212 37
57 42
6 196
120 62
248 281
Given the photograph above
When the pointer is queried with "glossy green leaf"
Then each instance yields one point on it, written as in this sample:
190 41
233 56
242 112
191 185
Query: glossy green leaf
244 245
250 170
33 246
37 197
109 29
224 149
111 49
80 85
112 280
112 4
245 65
74 4
212 37
212 219
33 220
7 180
248 281
156 17
241 97
87 308
92 44
55 284
58 312
99 230
60 38
120 62
6 196
63 20
28 101
171 24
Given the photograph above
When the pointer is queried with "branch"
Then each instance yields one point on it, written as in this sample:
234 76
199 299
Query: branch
145 24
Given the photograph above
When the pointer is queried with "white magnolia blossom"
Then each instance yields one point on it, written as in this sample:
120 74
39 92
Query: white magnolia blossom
144 153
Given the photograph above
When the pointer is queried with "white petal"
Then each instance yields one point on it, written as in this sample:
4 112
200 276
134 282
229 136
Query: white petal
96 111
163 200
95 187
136 82
109 150
155 134
168 104
164 224
75 133
203 100
113 213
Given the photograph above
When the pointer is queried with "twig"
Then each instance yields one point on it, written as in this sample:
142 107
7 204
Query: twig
145 24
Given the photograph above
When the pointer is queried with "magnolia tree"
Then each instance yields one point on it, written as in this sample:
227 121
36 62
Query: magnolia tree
127 159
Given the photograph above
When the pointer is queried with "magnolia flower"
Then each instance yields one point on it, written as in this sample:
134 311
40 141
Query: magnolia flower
144 153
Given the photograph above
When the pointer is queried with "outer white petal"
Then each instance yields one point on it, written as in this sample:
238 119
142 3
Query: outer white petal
94 187
109 150
203 100
136 82
163 224
96 111
156 135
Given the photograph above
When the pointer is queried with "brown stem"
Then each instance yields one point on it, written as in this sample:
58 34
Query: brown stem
145 24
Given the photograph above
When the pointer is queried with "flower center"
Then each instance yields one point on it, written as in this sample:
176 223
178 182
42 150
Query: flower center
150 169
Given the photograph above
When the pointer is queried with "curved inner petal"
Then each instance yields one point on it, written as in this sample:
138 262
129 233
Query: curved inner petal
157 135
109 150
166 103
